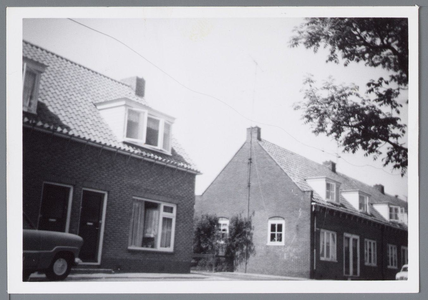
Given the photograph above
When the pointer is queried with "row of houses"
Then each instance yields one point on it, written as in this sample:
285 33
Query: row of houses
100 162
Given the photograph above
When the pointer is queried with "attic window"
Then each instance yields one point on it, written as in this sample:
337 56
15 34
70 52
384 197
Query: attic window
31 72
363 203
393 213
330 192
147 129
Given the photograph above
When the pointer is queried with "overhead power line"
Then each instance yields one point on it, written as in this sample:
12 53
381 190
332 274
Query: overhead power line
218 99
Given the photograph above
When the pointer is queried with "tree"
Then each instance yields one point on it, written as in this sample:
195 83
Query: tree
240 241
359 122
208 239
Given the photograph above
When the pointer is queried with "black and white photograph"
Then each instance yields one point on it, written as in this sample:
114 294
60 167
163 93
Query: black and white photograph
266 150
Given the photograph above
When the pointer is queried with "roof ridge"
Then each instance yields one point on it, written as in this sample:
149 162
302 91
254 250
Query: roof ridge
338 173
75 63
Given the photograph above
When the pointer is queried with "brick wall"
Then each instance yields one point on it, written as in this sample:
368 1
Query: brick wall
342 223
55 159
273 194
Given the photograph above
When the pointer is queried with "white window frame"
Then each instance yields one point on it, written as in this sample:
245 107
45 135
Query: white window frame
223 228
351 236
327 192
69 204
276 221
392 256
38 69
404 255
370 260
162 214
142 142
324 235
397 212
100 242
145 112
366 203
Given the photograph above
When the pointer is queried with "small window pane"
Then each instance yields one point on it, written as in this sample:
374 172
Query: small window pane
168 209
152 137
279 237
167 136
134 126
166 233
29 86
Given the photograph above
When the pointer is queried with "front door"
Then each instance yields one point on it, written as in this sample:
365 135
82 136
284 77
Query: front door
54 208
91 219
351 249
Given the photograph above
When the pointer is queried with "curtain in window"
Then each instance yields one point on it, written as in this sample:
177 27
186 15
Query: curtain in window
137 224
152 137
29 85
133 130
322 241
166 136
151 222
166 233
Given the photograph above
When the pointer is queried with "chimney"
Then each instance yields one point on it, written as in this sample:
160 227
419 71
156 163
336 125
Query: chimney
331 165
137 84
255 133
380 188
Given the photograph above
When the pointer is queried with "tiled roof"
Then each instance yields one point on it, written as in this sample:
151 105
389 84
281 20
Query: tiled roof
67 94
299 168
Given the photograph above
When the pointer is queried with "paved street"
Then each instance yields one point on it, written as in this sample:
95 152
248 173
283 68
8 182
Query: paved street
194 275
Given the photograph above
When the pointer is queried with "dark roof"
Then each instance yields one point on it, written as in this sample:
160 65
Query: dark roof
67 94
299 168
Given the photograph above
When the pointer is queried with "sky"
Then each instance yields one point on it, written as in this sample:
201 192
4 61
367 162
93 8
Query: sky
217 77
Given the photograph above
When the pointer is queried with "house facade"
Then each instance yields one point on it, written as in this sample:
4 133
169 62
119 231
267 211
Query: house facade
101 163
308 220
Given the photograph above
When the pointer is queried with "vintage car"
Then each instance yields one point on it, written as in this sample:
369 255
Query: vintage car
50 252
402 275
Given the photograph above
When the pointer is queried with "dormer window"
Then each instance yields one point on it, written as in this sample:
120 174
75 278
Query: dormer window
393 213
330 194
31 72
325 187
147 129
363 203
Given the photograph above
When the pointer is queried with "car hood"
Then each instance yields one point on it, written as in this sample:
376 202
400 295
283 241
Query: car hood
47 240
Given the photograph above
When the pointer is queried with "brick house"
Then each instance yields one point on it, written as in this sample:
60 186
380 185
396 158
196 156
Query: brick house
99 162
308 220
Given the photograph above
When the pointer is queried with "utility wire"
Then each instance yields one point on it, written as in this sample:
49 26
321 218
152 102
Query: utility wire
215 98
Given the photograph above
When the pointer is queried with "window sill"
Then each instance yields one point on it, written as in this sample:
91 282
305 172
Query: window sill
328 260
370 265
142 145
167 251
275 244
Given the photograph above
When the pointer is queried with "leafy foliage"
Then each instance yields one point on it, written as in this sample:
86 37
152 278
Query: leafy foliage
339 111
240 240
209 240
206 234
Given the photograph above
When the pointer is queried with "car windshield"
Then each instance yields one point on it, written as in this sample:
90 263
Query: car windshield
404 269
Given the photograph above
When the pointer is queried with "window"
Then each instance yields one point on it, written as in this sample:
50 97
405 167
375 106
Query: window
328 245
144 128
393 213
351 251
152 225
31 72
223 225
276 231
55 208
404 256
370 257
330 191
363 203
392 256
